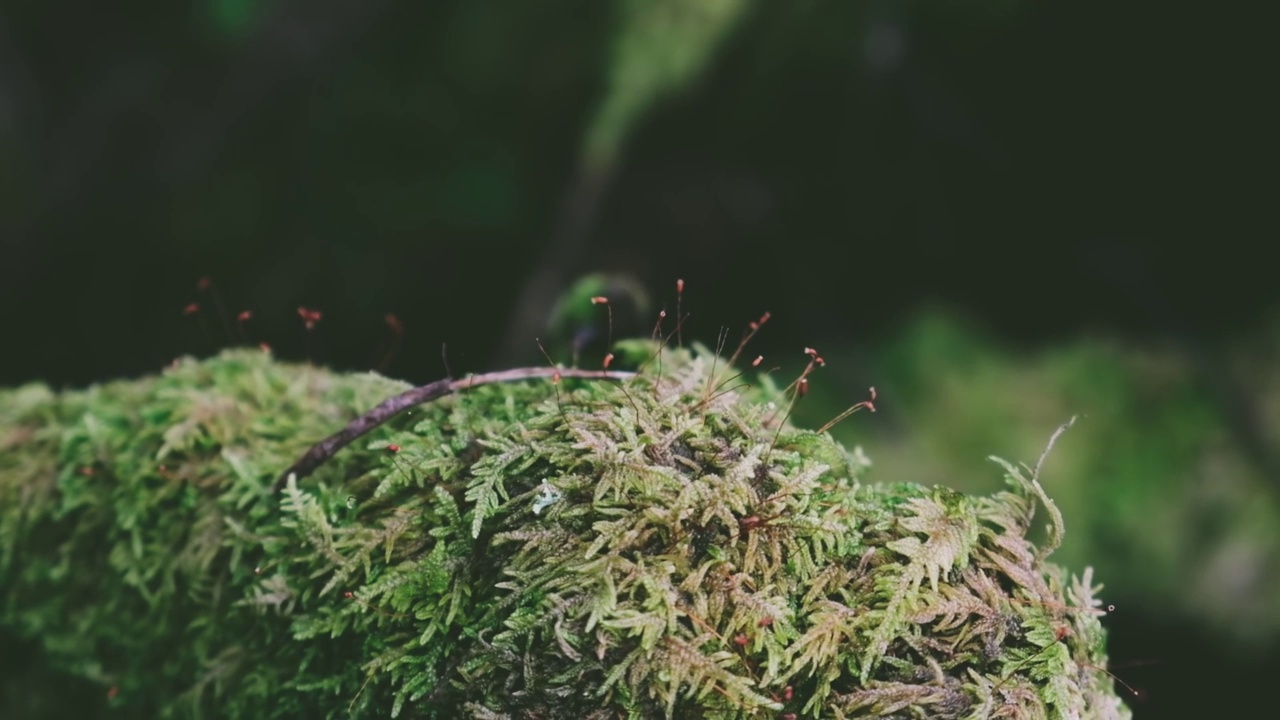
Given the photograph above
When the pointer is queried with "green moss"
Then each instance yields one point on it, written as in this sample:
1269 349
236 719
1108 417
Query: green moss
597 550
1165 480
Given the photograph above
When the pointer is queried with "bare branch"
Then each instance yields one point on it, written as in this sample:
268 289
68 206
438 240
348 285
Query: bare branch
389 408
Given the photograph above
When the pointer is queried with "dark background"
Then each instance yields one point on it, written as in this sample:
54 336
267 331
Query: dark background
1048 168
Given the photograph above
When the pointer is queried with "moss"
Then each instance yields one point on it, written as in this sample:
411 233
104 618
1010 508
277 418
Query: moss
1165 481
536 550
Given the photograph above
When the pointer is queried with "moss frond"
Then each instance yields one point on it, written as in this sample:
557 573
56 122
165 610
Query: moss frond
634 549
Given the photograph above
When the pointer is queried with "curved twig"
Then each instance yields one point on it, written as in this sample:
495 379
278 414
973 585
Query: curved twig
389 408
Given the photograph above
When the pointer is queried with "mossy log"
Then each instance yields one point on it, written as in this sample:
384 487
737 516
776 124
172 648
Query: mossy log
659 547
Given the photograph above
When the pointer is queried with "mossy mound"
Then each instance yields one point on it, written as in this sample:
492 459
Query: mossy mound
651 548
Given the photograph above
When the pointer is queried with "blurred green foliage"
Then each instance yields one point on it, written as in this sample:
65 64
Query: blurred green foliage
234 18
378 156
660 46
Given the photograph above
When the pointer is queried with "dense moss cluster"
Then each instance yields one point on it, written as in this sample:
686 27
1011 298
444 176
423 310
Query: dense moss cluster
659 547
1169 484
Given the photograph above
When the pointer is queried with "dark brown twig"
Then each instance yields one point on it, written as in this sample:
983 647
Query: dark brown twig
389 408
